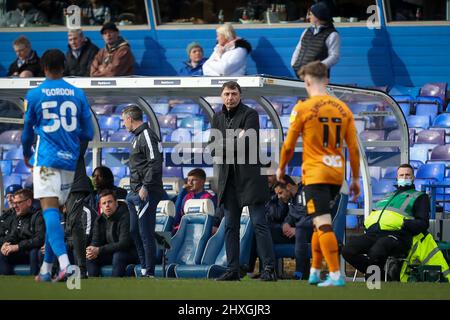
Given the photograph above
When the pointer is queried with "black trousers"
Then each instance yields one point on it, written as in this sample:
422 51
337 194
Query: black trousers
74 230
233 212
374 249
32 257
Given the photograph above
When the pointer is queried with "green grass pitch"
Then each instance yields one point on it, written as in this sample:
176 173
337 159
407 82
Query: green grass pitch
13 287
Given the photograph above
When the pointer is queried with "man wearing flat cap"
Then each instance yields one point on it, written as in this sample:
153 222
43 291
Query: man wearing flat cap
320 42
116 58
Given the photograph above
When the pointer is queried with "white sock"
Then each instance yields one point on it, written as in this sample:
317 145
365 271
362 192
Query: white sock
335 275
314 270
46 268
143 272
63 261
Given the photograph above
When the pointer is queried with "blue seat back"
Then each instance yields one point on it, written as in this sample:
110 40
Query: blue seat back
434 171
418 121
442 121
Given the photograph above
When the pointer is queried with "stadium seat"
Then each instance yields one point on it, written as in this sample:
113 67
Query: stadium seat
394 135
441 153
181 135
189 242
160 108
419 152
183 110
6 167
167 121
381 188
214 260
263 120
418 122
103 109
165 213
285 121
442 121
404 103
21 168
109 123
119 172
11 137
169 172
121 135
372 135
404 90
12 179
438 90
172 185
193 123
390 122
296 171
419 182
431 137
428 106
390 173
431 171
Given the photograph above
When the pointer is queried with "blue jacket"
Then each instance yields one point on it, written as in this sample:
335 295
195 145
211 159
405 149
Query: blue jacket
188 70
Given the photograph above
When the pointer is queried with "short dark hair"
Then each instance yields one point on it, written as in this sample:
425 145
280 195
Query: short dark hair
107 192
134 112
288 180
53 60
197 172
25 193
315 69
231 85
406 165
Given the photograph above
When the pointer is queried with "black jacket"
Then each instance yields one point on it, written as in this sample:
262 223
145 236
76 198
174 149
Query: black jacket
113 234
146 160
28 231
297 215
32 63
81 182
251 186
6 223
276 210
81 66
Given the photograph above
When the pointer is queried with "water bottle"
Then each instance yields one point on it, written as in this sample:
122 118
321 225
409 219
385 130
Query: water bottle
220 17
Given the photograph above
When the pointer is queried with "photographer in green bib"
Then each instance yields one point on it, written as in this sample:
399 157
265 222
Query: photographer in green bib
391 226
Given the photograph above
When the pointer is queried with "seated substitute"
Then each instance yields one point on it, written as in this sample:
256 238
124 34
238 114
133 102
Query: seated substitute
102 179
391 225
297 225
193 189
111 239
8 215
27 236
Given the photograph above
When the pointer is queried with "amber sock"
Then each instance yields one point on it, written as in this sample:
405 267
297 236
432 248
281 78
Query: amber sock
317 255
329 247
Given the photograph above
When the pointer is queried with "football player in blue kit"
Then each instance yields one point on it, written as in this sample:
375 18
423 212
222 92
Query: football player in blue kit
60 117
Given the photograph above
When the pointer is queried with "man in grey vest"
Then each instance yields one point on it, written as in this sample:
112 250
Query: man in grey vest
320 42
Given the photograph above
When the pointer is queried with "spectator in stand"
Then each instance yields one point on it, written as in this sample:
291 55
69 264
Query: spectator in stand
97 13
27 63
193 189
193 66
116 58
8 215
25 15
320 42
103 178
27 236
111 239
80 54
230 54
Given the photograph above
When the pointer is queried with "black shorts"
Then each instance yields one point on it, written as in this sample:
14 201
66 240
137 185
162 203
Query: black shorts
320 198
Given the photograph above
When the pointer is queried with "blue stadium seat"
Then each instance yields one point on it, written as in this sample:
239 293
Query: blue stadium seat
165 213
185 109
181 135
441 154
419 152
419 182
13 154
160 108
285 121
106 271
431 171
103 109
119 172
404 103
121 107
11 137
436 89
442 121
193 123
418 122
390 173
432 137
121 135
296 171
167 121
109 123
372 135
381 188
390 122
173 172
189 242
6 167
428 106
263 120
214 260
21 168
404 90
12 179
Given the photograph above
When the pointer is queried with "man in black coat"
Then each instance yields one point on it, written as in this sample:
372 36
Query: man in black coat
240 180
80 54
27 63
27 236
111 239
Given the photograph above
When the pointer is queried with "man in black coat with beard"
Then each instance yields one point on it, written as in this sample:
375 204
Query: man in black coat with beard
240 180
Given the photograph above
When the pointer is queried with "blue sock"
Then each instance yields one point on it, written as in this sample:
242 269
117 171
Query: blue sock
49 256
54 231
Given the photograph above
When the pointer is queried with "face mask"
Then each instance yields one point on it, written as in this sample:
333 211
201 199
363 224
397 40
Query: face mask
404 182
